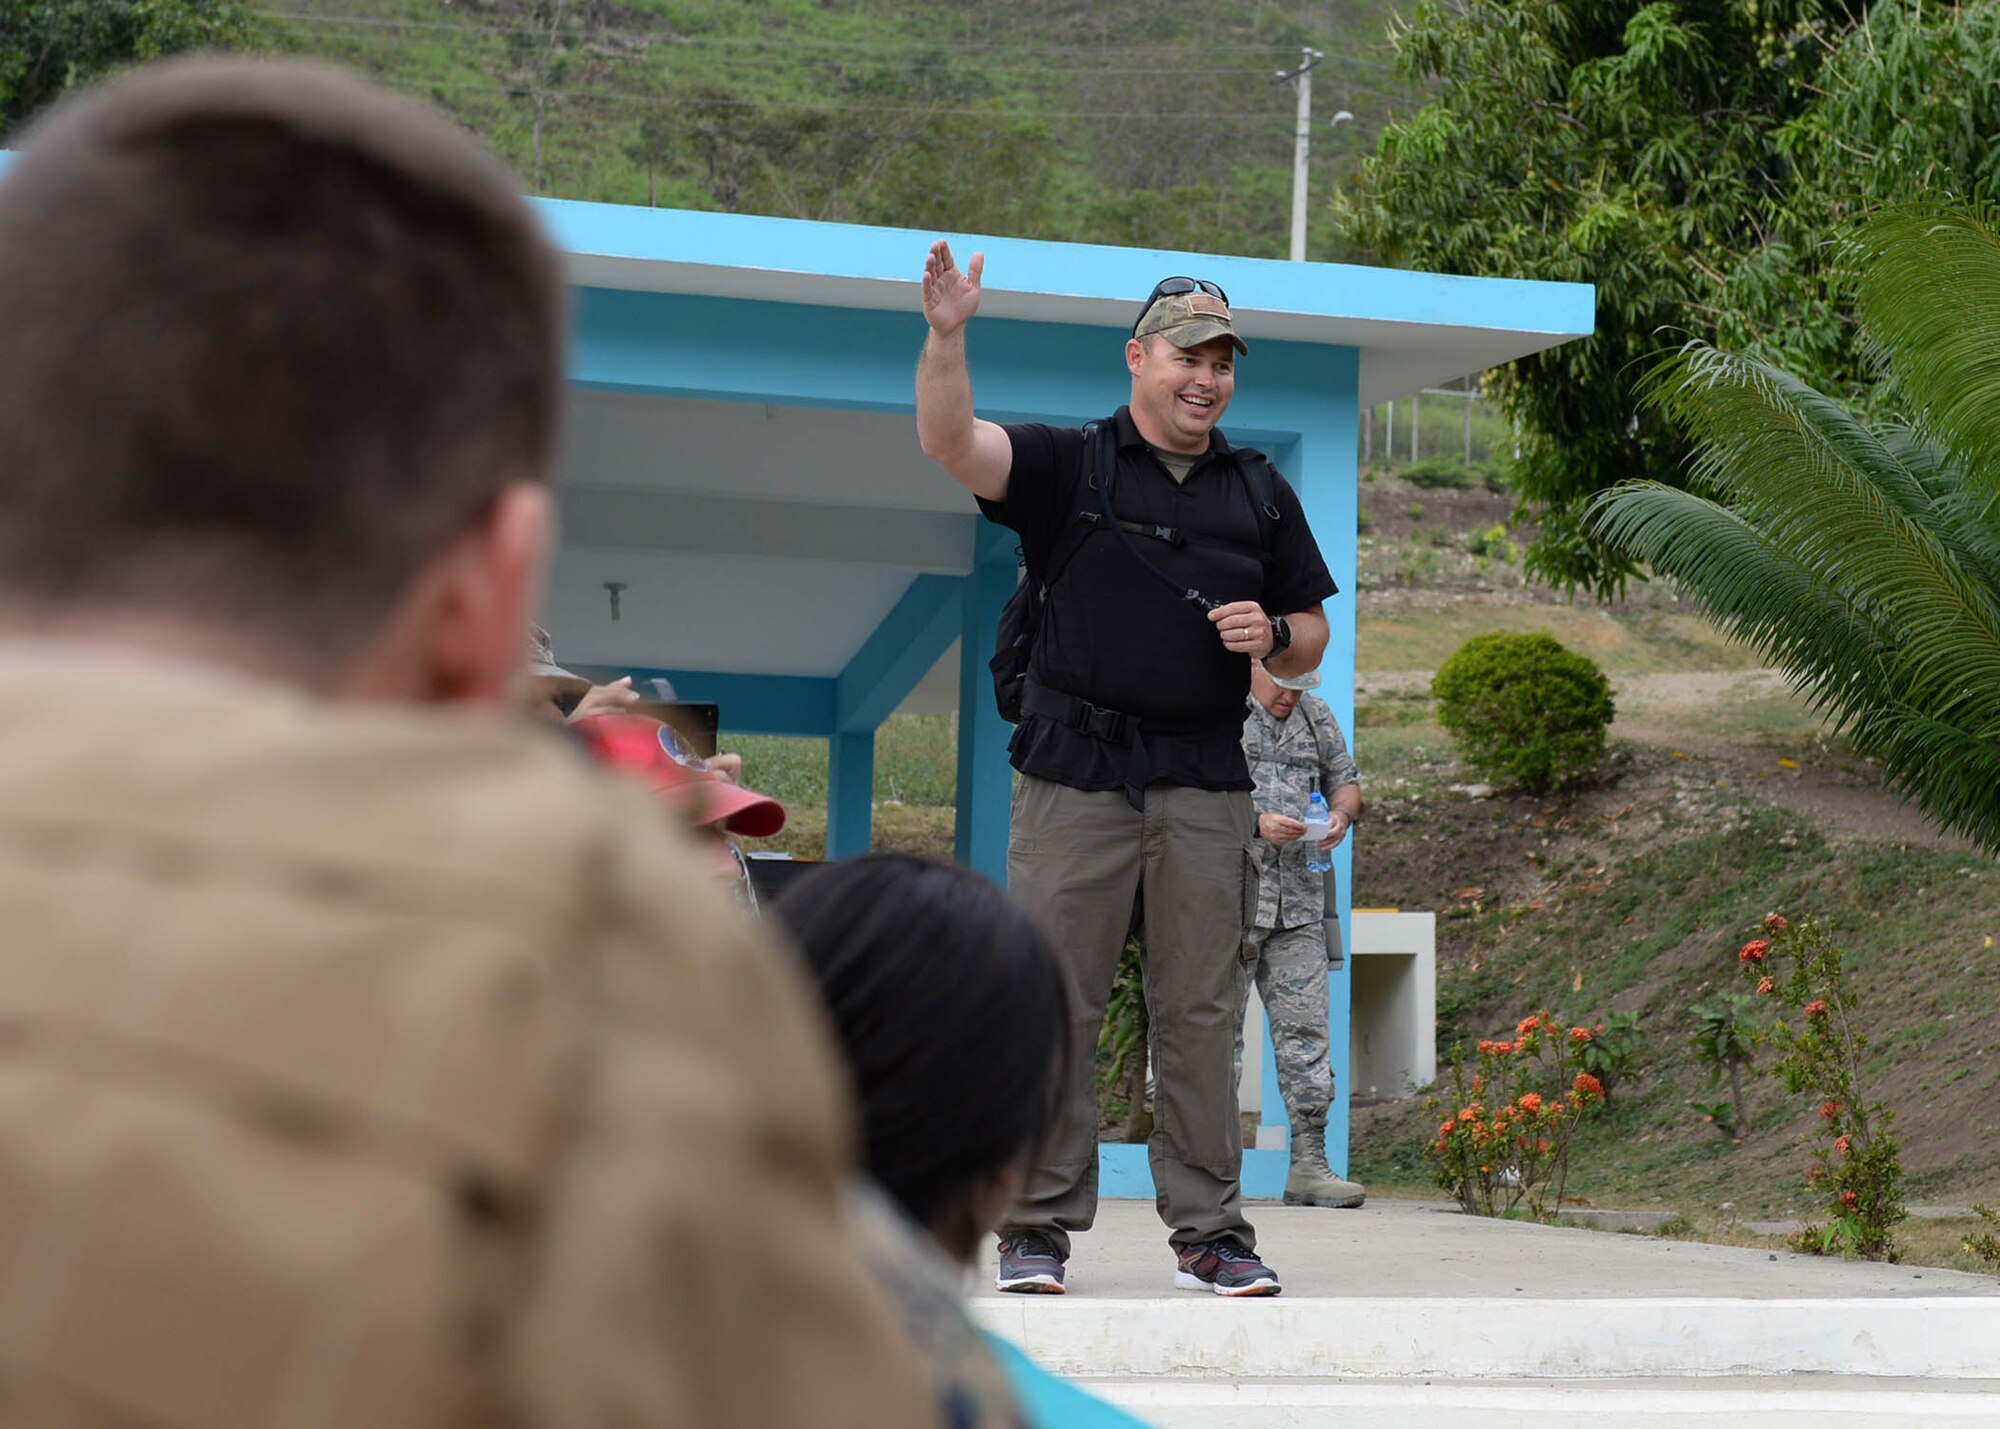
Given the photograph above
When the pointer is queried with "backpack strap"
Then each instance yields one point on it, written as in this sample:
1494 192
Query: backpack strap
1262 481
1101 463
1105 460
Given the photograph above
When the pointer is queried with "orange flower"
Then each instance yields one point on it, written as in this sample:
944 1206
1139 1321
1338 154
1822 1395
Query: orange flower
1815 1008
1557 1108
1829 1110
1470 1113
1530 1102
1765 987
1579 1034
1774 921
1542 1144
1587 1087
1849 1199
1754 950
1525 1026
1600 1029
1842 1142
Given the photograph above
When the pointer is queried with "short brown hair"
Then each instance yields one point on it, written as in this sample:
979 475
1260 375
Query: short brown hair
269 338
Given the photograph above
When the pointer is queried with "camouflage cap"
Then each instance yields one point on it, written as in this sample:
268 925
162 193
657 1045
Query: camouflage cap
1189 320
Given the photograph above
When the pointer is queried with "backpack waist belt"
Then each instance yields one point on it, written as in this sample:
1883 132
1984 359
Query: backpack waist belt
1113 727
1110 726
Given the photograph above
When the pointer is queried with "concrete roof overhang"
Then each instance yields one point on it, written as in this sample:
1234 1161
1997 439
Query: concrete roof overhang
739 455
760 495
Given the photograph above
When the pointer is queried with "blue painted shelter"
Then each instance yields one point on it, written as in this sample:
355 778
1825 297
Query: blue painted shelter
741 469
742 466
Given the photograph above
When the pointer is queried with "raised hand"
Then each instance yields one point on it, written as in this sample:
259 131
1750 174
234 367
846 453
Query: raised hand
951 297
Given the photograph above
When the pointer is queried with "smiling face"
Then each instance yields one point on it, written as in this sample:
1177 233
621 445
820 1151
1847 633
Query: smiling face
1179 394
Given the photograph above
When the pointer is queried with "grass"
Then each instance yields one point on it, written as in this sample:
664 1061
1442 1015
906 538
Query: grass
916 762
1660 937
915 796
1648 642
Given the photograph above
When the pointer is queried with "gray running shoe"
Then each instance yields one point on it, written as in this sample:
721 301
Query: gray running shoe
1225 1267
1029 1265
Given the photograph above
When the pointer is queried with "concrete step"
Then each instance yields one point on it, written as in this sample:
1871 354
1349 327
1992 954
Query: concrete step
1486 1337
1398 1315
1769 1402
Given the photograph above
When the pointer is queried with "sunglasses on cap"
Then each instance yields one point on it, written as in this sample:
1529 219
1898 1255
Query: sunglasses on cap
676 749
1171 287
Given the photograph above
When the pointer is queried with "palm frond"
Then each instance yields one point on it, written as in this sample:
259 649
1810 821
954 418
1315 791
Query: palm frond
1970 525
1929 298
1828 496
1833 652
1830 650
1952 774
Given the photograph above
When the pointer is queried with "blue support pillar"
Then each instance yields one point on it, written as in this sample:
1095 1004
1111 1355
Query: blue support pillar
985 780
915 632
850 793
1328 481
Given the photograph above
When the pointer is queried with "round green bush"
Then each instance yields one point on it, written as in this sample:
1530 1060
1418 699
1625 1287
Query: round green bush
1524 710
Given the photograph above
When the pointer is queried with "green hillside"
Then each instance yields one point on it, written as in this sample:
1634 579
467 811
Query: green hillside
1157 122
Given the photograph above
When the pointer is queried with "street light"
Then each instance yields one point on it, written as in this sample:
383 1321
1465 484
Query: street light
1301 80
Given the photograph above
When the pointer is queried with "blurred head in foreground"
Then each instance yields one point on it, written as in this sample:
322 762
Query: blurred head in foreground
952 1013
279 377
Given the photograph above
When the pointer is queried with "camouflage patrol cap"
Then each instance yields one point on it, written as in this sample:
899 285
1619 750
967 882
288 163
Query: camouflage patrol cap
1189 320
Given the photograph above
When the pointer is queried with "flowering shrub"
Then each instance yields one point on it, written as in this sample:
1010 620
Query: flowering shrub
1506 1132
1856 1163
1611 1050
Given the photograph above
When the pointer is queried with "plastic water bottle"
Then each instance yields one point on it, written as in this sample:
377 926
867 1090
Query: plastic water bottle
1319 823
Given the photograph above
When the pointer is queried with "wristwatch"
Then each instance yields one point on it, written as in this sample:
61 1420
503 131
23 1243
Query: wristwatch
1281 634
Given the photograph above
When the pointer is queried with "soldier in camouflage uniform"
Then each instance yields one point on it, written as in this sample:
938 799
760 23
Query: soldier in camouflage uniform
1294 746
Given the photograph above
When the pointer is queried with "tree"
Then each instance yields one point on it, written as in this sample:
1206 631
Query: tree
1906 107
1862 560
48 46
1634 146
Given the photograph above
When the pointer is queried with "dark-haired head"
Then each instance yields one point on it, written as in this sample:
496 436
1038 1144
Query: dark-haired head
950 1007
282 354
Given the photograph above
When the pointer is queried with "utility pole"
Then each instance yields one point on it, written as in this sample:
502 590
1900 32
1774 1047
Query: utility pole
1302 83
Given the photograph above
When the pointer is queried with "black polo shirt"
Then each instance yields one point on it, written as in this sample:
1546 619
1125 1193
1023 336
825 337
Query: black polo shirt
1115 635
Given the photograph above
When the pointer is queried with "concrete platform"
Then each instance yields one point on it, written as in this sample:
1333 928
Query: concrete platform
1402 1313
1805 1402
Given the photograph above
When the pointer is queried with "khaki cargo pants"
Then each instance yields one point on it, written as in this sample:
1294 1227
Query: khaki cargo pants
1076 859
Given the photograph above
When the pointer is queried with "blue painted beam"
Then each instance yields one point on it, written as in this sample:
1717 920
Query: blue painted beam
985 779
910 639
758 704
850 794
